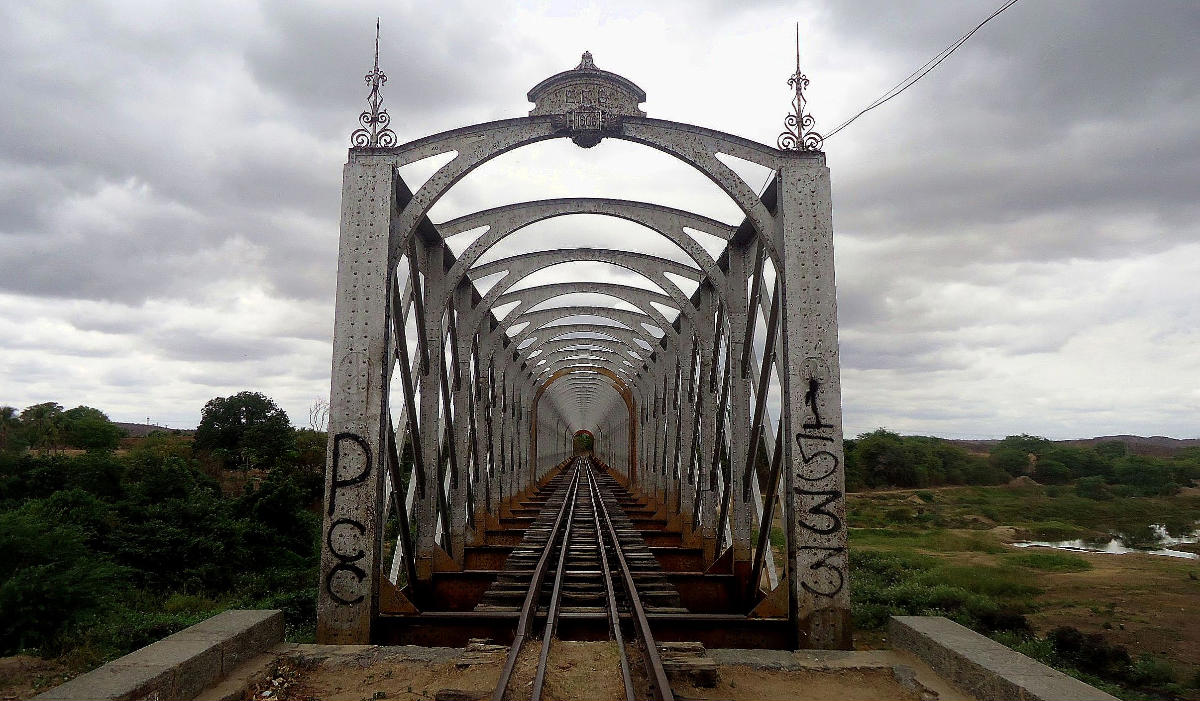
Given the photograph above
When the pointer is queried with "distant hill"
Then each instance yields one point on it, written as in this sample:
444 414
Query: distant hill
1161 446
1157 446
143 430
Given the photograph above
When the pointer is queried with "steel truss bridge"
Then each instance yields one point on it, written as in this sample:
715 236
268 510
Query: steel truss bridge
709 395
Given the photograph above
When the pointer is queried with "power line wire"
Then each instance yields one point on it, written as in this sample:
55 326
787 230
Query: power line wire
921 72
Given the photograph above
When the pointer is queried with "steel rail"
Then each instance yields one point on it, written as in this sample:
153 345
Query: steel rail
614 615
529 608
556 593
654 669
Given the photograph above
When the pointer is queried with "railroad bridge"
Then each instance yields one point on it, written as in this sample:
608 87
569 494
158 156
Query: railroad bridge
504 460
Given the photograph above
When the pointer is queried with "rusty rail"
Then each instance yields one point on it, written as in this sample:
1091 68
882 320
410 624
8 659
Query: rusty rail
654 668
529 608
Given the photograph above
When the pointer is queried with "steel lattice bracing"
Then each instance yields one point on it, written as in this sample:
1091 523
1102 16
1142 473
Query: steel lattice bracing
456 391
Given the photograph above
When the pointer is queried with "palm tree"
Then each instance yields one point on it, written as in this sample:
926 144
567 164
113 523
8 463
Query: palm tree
44 424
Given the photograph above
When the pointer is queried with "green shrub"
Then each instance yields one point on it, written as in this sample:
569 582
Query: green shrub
1151 671
1053 530
1095 487
1051 472
50 581
1089 652
894 584
190 603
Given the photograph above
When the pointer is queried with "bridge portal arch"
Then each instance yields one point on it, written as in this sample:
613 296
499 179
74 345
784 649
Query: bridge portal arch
728 364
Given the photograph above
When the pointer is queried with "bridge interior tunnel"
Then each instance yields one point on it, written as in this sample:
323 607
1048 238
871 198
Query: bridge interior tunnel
471 366
584 441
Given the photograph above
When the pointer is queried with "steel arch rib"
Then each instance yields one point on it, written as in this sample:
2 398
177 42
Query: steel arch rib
505 221
634 321
638 297
582 365
479 143
595 343
622 336
532 296
653 268
617 358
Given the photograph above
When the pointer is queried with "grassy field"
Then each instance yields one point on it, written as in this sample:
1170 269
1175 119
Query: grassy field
947 552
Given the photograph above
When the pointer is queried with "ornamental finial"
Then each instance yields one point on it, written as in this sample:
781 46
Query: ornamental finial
798 132
585 61
374 130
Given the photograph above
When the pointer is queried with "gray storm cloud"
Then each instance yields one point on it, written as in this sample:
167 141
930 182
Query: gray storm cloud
1017 235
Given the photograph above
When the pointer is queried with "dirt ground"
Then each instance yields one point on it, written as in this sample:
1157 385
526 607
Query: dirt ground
1147 603
24 676
738 682
343 678
578 671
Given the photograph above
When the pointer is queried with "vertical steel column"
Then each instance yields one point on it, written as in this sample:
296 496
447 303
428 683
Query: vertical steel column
706 331
815 502
348 596
525 432
506 427
429 259
687 421
674 437
738 307
463 433
654 465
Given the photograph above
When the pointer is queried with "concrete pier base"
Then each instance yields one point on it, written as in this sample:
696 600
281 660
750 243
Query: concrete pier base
983 666
182 665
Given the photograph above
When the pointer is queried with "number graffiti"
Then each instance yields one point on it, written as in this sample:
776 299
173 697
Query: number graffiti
823 563
346 561
819 508
825 498
820 459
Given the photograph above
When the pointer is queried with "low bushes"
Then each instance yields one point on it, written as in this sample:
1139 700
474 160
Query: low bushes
906 584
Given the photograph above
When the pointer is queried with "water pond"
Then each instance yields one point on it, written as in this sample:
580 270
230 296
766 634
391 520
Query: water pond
1153 540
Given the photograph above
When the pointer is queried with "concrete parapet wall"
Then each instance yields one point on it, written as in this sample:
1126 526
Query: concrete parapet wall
181 665
983 666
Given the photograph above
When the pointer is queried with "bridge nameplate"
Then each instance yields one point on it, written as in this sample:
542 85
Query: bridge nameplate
587 101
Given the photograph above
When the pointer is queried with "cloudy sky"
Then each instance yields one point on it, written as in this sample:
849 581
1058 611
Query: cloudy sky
1018 236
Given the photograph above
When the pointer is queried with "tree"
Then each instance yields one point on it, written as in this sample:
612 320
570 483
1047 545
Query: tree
43 424
1111 450
1012 460
1026 444
1093 487
50 580
247 430
10 428
1050 471
882 457
318 415
90 429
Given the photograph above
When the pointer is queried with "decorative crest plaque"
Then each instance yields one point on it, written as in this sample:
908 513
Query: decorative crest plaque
587 101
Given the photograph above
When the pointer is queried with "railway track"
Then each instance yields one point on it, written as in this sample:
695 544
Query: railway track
582 555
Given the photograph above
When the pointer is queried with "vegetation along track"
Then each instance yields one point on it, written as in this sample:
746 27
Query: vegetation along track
580 535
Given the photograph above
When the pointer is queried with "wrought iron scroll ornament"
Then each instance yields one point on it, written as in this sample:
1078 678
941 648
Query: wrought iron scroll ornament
798 134
374 130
